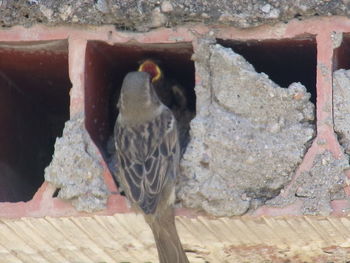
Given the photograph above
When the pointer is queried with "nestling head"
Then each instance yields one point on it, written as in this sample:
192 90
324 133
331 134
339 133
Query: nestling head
151 68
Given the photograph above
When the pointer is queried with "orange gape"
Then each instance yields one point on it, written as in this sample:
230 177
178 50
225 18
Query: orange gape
152 68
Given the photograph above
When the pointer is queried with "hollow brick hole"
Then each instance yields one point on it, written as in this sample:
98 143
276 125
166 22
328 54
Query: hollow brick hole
341 61
34 105
341 55
284 61
106 67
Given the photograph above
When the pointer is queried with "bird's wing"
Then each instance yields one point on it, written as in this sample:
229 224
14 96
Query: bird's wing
148 155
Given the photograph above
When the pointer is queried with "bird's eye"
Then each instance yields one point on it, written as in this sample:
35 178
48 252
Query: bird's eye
151 68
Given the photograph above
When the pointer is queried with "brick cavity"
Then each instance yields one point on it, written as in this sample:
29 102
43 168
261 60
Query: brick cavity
285 61
341 54
106 66
341 93
34 104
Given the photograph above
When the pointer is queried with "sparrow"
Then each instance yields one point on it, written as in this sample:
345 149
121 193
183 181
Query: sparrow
173 95
148 155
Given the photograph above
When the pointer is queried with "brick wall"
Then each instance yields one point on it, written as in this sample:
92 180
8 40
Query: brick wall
48 74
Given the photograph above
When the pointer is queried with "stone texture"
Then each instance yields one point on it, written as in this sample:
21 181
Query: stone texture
317 187
76 169
138 15
247 138
322 184
341 107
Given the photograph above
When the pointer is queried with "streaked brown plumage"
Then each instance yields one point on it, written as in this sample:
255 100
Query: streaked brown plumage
171 94
146 140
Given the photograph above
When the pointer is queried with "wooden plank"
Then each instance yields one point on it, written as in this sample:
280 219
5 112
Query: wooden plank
8 257
22 229
127 238
77 237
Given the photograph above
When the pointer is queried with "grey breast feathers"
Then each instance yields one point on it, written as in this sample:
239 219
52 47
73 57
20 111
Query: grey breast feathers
148 155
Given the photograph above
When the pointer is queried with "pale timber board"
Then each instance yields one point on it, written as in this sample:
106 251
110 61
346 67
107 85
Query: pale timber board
127 238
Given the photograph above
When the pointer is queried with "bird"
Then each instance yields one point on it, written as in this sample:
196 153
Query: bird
148 154
173 95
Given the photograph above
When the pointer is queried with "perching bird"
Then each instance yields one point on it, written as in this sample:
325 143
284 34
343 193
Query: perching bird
146 140
173 95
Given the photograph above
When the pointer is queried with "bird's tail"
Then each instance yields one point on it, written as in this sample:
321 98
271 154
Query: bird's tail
167 240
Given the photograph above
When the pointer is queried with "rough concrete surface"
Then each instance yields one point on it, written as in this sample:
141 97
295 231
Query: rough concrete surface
317 187
247 138
143 15
341 107
75 169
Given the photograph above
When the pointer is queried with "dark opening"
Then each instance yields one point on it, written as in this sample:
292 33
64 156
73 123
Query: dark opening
341 55
34 105
57 191
106 67
284 61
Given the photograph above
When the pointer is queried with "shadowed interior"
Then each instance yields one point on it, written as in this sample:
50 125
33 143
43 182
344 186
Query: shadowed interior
106 67
284 61
341 55
34 105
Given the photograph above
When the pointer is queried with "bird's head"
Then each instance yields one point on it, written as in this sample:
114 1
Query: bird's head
151 68
137 93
